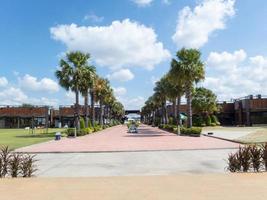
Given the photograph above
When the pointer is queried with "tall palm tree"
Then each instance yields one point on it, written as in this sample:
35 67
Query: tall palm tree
101 90
70 76
192 69
88 77
109 99
161 97
177 80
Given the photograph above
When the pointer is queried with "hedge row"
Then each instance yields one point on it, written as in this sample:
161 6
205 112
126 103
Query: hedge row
194 131
85 131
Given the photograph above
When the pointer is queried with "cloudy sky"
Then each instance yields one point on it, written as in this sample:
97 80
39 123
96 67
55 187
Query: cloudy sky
131 42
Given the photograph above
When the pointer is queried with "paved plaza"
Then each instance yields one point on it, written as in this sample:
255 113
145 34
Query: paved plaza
117 139
114 152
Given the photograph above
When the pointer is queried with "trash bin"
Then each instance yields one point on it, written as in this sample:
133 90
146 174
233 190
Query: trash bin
58 136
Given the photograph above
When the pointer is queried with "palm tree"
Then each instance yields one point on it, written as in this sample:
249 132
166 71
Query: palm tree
177 80
117 110
88 77
101 90
191 68
70 76
161 97
108 101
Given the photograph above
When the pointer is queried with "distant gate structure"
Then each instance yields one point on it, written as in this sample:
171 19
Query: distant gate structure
132 112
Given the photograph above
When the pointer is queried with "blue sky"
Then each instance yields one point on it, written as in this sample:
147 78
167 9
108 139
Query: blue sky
131 42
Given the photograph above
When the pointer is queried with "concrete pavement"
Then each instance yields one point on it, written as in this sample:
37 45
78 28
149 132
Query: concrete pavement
132 163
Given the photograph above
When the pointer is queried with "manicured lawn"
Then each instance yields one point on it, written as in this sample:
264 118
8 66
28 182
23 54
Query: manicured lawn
16 138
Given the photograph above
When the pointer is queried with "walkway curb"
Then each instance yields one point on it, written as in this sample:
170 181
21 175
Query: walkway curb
126 151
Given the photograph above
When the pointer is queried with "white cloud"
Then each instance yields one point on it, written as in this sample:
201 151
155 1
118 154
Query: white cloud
142 3
43 101
224 60
31 83
195 26
122 44
132 103
3 81
235 75
13 96
122 75
94 18
119 91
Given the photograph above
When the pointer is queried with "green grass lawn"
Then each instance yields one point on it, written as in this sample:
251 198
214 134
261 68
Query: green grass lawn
16 138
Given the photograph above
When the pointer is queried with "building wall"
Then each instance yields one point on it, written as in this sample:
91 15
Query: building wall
20 117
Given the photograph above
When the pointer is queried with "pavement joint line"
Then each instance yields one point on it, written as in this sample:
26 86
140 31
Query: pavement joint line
126 151
225 139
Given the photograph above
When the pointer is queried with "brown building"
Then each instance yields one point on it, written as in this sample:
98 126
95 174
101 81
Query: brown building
246 111
65 115
21 117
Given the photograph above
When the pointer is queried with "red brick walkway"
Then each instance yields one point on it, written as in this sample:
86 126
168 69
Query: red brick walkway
117 139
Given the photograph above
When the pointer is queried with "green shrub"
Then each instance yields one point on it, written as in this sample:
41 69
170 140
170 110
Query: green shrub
168 127
160 126
105 126
208 121
194 131
89 124
82 123
198 120
215 120
157 121
213 124
171 121
71 132
87 131
97 128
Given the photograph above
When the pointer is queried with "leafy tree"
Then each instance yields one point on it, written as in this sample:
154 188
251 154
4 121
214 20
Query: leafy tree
204 101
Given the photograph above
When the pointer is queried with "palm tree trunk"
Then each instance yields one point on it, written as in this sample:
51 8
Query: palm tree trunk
93 108
108 113
175 109
77 111
153 118
86 110
101 112
166 113
178 115
162 114
189 107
